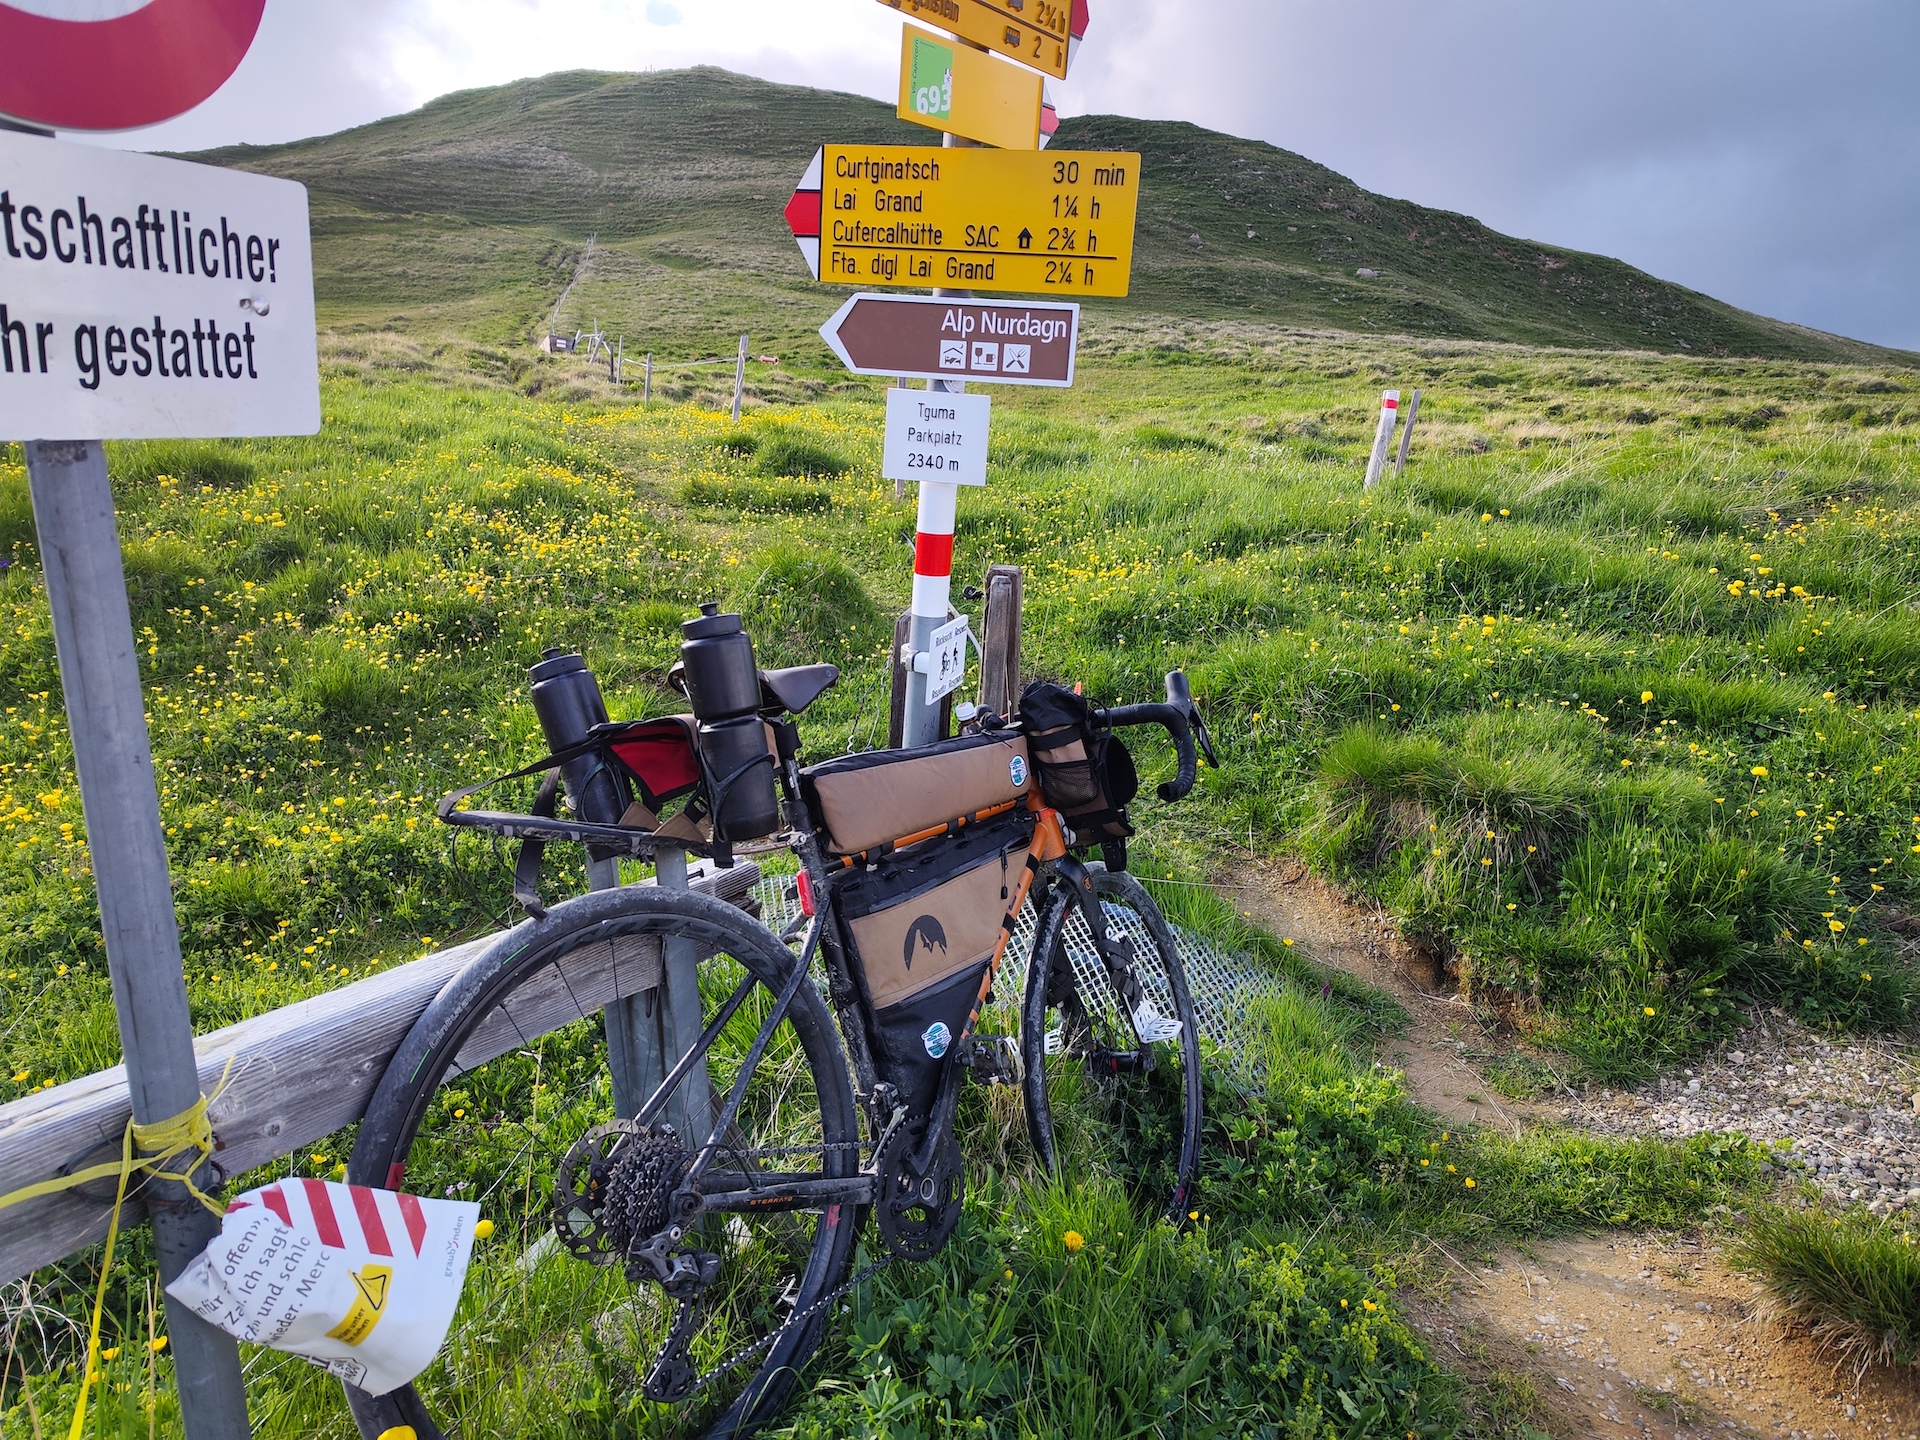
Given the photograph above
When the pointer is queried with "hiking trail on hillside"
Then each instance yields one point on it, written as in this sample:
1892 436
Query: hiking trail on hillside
1618 1333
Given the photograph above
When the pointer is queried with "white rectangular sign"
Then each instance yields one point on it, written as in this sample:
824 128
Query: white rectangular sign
143 298
946 659
934 435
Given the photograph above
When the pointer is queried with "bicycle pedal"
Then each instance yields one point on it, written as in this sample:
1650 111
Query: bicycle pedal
1052 1043
1151 1026
994 1059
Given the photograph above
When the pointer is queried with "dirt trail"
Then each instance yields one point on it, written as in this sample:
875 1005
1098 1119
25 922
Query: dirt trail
1290 902
1615 1335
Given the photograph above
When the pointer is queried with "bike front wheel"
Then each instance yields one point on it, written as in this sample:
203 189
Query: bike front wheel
508 1092
1114 1078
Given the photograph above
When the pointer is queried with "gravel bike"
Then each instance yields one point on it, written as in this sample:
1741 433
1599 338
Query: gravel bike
683 1119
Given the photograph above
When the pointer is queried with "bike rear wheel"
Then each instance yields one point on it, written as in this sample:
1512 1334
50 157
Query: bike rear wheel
1090 1071
503 1093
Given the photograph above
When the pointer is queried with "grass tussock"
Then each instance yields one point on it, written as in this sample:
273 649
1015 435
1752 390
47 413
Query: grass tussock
1851 1280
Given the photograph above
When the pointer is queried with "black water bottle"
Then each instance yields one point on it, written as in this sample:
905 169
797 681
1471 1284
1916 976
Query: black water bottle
723 683
567 699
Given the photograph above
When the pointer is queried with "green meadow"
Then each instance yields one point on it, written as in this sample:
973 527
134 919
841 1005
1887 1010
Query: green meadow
1610 700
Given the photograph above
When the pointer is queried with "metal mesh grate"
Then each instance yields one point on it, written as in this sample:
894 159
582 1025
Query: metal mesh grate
1223 982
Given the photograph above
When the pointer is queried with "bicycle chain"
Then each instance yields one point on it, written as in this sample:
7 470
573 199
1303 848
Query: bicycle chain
766 1342
683 1329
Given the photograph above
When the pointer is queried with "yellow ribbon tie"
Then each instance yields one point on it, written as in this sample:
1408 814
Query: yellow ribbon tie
189 1132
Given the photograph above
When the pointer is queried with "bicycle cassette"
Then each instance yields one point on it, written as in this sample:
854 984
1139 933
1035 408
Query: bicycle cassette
917 1214
612 1191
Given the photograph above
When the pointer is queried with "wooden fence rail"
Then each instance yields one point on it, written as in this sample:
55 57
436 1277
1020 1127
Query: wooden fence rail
299 1074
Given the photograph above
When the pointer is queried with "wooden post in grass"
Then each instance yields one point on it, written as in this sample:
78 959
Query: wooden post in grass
1406 436
646 379
739 379
1383 436
1000 641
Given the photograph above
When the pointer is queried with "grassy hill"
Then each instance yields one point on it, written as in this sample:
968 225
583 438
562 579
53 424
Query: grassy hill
1616 717
468 216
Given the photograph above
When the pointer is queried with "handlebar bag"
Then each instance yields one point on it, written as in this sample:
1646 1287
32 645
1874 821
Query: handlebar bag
920 927
1083 769
865 802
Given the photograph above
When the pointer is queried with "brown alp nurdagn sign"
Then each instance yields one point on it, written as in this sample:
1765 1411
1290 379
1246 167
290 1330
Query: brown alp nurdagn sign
1008 342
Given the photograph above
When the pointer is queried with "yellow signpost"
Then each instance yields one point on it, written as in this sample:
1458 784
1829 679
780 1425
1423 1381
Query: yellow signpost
1039 33
1038 222
949 85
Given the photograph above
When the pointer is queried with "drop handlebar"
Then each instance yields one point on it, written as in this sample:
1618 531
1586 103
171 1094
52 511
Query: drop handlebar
1180 718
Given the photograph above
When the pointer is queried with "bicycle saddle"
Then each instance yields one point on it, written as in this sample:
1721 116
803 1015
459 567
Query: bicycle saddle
793 690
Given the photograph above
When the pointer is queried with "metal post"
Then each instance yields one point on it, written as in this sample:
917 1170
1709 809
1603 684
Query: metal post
646 380
1383 436
106 717
739 378
1406 436
921 723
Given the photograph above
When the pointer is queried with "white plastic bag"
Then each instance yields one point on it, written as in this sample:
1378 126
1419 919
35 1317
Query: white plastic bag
362 1282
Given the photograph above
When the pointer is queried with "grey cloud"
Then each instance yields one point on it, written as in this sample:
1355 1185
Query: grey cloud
1764 151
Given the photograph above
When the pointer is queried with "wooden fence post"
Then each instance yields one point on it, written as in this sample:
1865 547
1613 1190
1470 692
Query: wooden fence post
1406 436
1000 641
739 379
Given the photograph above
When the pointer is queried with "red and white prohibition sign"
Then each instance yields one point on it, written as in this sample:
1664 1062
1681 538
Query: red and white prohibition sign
117 64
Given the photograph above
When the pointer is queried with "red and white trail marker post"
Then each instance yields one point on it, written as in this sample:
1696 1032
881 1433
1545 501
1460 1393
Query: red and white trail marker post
139 298
1383 436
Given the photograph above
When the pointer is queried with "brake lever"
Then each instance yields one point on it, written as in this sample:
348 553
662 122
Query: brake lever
1202 737
1180 695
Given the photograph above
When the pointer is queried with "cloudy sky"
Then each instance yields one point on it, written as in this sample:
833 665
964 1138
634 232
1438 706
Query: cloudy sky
1764 151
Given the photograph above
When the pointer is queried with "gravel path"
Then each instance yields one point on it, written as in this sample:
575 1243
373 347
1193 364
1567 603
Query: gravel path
1850 1109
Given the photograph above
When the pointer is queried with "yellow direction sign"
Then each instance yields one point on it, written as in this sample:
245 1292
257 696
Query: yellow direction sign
1031 221
947 85
1040 33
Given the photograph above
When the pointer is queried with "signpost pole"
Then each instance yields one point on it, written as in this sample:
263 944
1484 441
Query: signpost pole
932 583
932 563
106 717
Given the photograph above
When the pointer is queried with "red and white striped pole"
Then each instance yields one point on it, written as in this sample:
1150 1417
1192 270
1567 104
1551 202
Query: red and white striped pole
1383 437
932 589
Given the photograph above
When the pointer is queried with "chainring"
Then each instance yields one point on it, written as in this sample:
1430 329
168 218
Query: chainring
917 1214
611 1191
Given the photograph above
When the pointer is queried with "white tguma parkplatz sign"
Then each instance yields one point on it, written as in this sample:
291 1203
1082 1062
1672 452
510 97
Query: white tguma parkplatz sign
936 435
143 298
